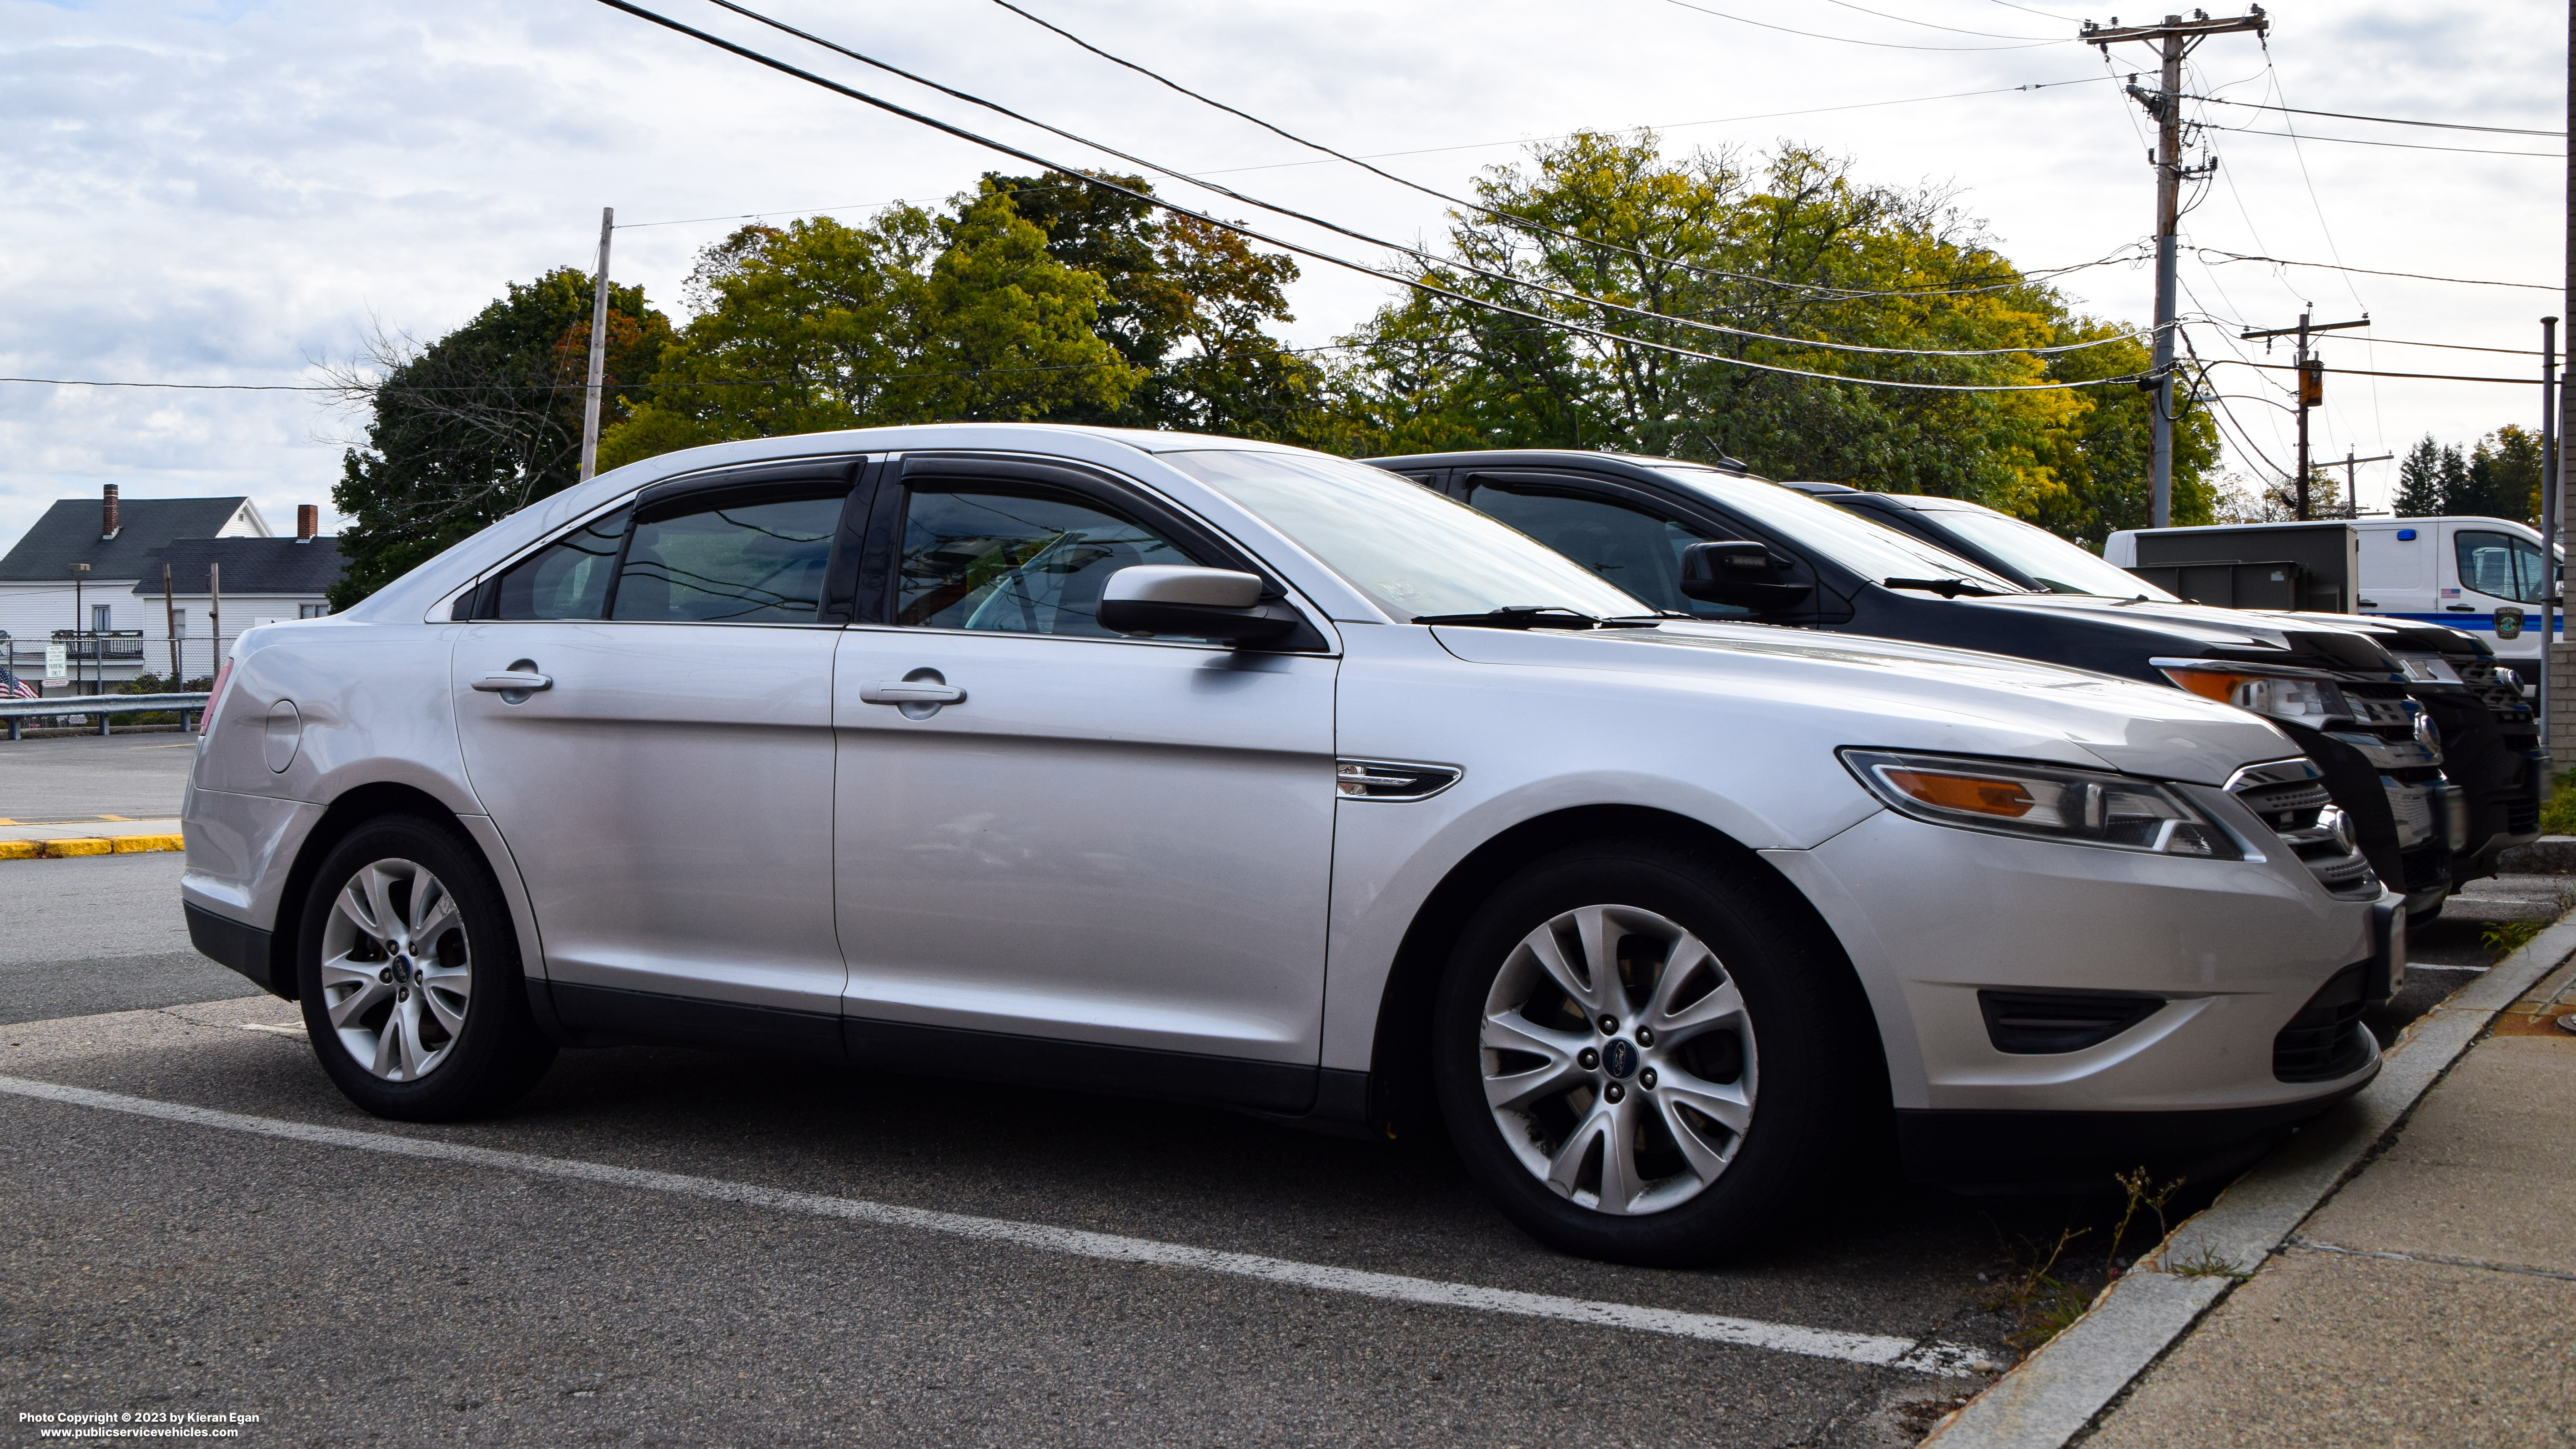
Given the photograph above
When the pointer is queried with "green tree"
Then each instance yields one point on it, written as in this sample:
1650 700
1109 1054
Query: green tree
2512 478
908 318
2419 481
1188 308
2459 491
481 422
1790 247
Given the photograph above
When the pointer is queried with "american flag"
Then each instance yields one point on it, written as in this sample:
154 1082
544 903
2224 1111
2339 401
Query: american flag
21 689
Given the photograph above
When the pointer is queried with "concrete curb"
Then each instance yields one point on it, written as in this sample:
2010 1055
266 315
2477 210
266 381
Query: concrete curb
2056 1393
2549 855
65 849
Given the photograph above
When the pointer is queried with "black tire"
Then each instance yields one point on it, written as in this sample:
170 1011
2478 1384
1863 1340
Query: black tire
2418 920
495 1051
1803 1062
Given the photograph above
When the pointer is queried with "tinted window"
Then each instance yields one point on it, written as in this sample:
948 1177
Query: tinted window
1411 551
566 580
2500 566
740 563
1016 563
2060 567
1869 549
1639 551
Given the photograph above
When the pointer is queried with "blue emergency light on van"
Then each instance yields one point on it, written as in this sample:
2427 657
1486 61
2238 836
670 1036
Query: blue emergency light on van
2405 535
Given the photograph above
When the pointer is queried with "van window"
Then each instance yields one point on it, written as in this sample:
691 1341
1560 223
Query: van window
2388 563
2500 566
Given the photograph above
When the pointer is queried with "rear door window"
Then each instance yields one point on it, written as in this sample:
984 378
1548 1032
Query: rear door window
567 579
754 560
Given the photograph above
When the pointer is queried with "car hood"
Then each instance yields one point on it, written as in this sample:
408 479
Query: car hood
2313 643
1915 696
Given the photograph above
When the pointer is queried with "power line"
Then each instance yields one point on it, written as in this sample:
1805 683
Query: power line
2389 145
1239 229
2205 253
1928 25
1362 163
1427 259
1847 40
2383 120
2365 372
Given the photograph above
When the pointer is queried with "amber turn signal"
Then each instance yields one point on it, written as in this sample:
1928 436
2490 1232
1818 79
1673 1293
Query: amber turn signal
1964 792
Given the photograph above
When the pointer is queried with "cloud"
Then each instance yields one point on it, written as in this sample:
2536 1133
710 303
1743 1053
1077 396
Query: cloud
224 193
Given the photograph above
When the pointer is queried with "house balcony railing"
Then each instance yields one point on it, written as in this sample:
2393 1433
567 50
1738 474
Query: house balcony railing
108 645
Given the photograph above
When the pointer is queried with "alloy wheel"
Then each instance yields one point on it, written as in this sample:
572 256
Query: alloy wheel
1618 1060
397 969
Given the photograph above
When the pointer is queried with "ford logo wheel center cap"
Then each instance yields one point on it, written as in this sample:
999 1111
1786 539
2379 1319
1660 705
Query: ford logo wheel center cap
1619 1058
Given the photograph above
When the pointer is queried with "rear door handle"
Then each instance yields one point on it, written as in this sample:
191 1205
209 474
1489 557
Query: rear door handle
910 691
514 681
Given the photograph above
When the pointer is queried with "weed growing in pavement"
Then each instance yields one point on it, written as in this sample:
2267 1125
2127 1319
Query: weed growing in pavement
2506 937
2141 1192
2206 1264
2033 1291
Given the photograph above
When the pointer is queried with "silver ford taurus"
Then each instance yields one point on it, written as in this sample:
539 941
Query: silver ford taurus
1200 768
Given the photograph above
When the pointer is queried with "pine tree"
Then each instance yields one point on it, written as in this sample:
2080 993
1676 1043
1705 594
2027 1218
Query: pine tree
2459 490
2419 484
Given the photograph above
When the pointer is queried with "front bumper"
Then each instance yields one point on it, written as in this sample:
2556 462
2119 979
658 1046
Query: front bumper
2226 954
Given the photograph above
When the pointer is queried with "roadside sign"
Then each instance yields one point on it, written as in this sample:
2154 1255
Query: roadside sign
58 664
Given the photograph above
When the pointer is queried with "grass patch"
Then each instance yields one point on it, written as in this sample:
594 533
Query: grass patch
2558 817
2506 937
2206 1264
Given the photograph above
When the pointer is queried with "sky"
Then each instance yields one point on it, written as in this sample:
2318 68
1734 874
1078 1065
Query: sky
237 192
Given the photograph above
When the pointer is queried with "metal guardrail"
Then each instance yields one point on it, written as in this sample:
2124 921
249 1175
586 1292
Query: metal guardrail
100 707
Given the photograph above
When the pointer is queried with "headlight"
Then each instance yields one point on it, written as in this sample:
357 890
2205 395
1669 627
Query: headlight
2508 678
2083 807
2305 699
2429 669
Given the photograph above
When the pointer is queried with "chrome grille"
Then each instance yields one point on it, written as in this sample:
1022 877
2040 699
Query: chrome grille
2290 796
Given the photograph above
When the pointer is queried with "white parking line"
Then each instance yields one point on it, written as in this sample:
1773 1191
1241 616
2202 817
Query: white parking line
1925 1357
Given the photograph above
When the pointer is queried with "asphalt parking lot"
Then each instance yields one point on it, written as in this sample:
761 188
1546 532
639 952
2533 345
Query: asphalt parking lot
859 1258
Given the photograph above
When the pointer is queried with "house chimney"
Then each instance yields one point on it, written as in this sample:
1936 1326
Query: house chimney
107 524
308 521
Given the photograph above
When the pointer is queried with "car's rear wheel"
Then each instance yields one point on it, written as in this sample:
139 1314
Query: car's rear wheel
1638 1057
409 974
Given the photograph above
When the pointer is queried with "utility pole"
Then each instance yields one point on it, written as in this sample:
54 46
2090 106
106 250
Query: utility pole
80 571
2550 649
598 347
2351 480
170 607
2550 584
215 618
2177 37
2312 384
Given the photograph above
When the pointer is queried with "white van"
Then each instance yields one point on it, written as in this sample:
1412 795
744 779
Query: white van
2478 574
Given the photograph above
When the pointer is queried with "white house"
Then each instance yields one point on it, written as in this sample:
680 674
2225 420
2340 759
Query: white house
114 620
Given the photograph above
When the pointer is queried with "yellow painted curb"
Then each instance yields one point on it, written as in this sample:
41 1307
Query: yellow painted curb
89 845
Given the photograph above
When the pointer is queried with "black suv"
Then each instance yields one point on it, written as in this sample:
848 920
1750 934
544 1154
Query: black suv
2490 732
2338 693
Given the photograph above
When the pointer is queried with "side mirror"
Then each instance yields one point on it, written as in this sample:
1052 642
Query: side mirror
1739 572
1193 603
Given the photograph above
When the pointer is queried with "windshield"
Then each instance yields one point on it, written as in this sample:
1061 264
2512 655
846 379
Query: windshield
2060 567
1866 548
1411 551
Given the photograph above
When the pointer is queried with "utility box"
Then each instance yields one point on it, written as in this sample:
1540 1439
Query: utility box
2308 567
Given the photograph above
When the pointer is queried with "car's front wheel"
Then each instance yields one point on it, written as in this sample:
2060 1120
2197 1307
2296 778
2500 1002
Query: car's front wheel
1637 1056
409 975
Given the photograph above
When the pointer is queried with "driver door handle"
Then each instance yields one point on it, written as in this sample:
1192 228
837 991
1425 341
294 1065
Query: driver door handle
514 681
910 691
